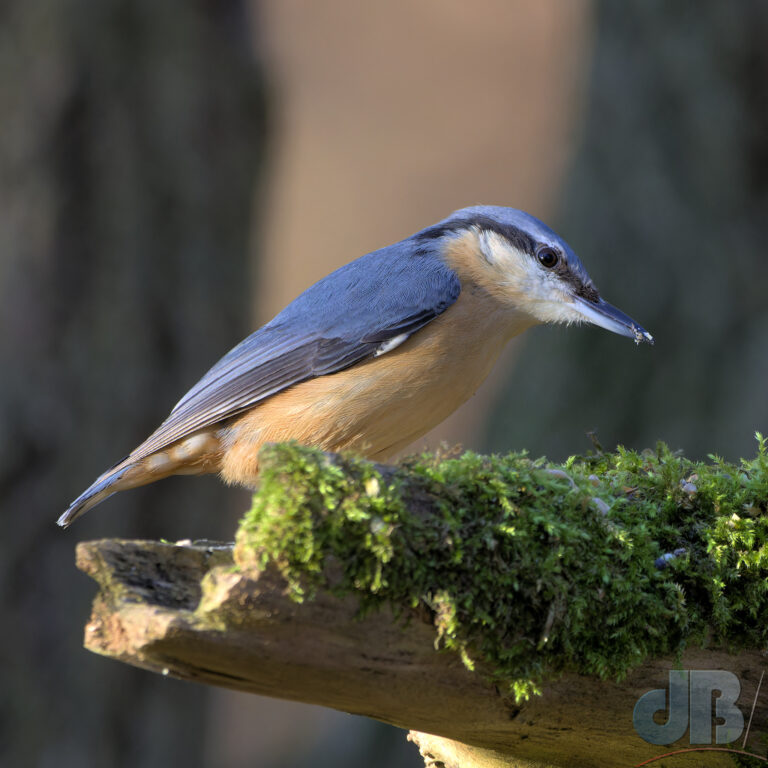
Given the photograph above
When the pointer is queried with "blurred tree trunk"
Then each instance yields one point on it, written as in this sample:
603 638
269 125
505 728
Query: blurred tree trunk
131 135
666 206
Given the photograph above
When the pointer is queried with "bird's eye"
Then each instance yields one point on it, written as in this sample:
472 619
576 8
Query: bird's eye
548 257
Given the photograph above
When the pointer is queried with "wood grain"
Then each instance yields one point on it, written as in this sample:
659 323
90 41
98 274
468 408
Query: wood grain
183 610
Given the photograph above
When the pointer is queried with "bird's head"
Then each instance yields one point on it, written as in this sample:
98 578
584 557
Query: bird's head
524 264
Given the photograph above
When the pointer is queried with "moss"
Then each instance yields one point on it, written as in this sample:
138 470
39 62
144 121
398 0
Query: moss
520 567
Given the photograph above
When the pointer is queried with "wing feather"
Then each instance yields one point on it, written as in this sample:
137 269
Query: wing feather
338 322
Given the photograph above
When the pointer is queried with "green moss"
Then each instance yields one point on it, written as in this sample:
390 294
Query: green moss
521 570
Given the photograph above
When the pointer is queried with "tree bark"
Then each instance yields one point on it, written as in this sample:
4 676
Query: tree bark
131 139
183 610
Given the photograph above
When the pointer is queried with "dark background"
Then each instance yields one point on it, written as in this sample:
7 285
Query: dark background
171 173
667 202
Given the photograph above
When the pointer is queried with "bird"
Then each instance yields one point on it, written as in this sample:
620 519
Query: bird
375 354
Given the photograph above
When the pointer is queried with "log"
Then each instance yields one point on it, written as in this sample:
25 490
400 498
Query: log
439 596
183 610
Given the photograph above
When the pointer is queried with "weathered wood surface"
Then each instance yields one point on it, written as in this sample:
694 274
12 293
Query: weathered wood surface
183 610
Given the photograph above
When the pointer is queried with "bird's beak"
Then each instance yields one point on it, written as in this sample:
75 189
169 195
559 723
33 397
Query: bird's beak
607 316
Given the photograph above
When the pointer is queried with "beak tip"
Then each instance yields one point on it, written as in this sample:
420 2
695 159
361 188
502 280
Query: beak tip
642 336
604 315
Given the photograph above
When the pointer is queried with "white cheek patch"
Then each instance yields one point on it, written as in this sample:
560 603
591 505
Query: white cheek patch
489 245
556 311
514 266
525 283
551 302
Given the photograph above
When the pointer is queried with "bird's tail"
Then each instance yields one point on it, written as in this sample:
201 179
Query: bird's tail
197 454
103 488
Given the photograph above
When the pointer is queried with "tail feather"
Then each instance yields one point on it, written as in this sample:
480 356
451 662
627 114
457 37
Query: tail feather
197 454
102 489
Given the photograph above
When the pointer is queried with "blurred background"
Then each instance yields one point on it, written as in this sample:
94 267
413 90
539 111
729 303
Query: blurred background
171 174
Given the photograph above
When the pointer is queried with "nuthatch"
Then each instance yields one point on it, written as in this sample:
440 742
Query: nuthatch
374 355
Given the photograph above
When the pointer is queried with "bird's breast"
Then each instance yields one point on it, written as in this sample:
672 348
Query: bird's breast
381 405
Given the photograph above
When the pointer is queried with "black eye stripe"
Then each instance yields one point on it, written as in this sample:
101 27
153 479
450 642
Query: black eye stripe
581 284
562 268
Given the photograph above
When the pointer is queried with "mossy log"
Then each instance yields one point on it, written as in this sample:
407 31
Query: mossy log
357 629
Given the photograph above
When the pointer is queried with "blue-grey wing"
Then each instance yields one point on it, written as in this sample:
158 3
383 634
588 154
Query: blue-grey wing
339 321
